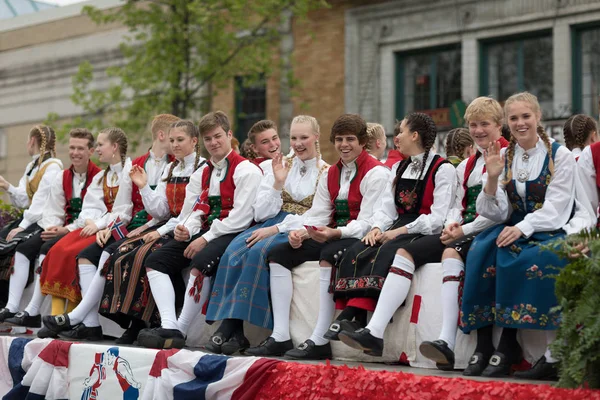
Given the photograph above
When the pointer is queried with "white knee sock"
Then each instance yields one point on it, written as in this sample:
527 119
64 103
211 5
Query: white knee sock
89 303
281 300
394 292
164 296
550 337
18 281
326 307
86 274
33 308
191 309
451 267
103 257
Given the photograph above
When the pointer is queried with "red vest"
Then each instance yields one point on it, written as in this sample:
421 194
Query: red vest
136 197
393 157
365 163
471 166
92 170
256 161
227 188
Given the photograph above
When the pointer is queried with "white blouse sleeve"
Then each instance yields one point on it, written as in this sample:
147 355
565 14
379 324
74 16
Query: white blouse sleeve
559 198
581 220
268 201
494 207
586 189
246 178
54 214
155 201
385 212
18 194
40 199
123 206
93 206
443 196
455 214
372 187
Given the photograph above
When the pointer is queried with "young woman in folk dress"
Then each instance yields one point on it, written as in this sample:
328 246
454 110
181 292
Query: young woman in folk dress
241 289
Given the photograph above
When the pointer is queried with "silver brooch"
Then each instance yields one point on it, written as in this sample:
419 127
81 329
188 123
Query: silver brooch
348 175
415 166
525 157
522 175
302 170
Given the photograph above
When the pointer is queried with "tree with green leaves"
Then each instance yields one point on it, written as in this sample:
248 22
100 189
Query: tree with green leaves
177 54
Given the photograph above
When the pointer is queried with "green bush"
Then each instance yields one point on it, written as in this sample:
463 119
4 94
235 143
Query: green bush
8 213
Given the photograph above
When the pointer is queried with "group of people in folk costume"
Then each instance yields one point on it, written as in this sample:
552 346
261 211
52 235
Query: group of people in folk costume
243 225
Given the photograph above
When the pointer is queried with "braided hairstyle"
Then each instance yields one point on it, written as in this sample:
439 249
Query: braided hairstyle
534 104
192 131
246 150
577 130
427 131
46 139
316 130
118 136
375 132
457 141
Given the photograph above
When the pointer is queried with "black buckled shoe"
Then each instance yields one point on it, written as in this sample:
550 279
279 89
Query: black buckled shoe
215 343
270 348
541 370
82 332
5 313
23 318
477 363
161 338
337 326
308 350
58 323
500 365
237 343
128 337
439 352
363 340
46 333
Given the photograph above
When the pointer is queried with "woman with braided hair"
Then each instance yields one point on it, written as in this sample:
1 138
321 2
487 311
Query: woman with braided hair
529 188
32 193
241 289
459 145
379 269
580 131
377 141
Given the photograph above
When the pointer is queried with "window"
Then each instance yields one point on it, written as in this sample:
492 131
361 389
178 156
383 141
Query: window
586 71
250 105
428 81
514 65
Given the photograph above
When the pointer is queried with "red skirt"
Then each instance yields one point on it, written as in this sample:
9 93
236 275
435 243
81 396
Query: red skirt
59 277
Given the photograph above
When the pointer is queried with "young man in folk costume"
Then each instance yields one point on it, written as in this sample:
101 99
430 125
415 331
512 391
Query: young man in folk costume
484 118
223 209
62 211
264 142
241 288
32 193
413 209
127 203
349 191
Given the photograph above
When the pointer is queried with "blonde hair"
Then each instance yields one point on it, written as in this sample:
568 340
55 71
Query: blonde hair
484 107
192 131
162 122
118 136
46 140
314 125
375 132
534 104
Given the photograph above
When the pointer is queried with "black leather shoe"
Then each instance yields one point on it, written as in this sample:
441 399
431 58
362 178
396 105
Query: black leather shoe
82 332
128 337
337 326
541 370
23 318
363 340
308 350
215 343
500 365
477 364
57 323
439 352
46 333
237 343
270 348
5 313
161 338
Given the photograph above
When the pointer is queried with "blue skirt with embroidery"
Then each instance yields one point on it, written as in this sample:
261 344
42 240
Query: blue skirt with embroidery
241 286
510 286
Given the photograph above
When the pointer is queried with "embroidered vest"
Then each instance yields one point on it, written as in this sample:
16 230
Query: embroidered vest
300 207
33 184
347 210
218 207
73 204
109 193
411 199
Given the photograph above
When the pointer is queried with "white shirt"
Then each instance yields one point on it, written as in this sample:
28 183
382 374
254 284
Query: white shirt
585 184
480 223
443 197
246 179
94 199
155 167
18 195
560 194
155 201
269 201
54 214
371 188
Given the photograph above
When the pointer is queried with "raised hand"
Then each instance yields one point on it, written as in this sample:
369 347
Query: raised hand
494 162
4 183
280 170
138 176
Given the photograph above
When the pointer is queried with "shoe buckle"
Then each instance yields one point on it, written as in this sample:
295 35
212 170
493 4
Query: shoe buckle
359 330
335 327
303 346
217 340
474 359
20 314
60 319
495 360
